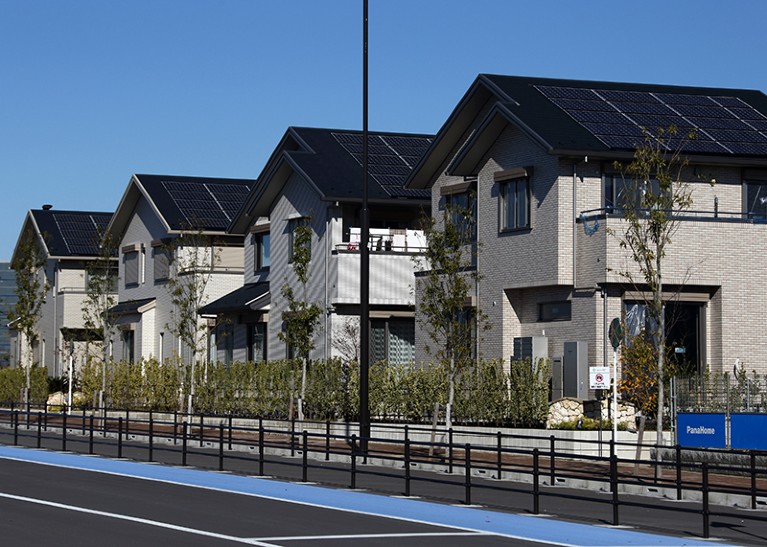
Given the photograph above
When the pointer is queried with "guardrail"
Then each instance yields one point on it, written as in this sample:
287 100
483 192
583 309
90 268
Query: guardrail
517 463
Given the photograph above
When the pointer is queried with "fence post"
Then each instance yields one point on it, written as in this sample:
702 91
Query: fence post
407 468
202 428
305 457
450 450
230 430
151 436
536 482
39 429
127 422
499 462
119 437
183 443
678 450
467 470
327 440
15 427
353 467
260 447
175 426
90 435
292 436
552 465
45 417
221 446
706 511
753 480
64 433
614 487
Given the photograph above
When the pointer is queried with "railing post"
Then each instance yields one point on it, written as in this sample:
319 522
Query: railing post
706 511
753 480
127 422
175 426
64 433
45 418
15 427
119 437
407 468
39 429
183 443
552 464
202 429
151 436
292 437
305 457
614 488
536 482
353 466
450 450
499 462
467 471
221 446
230 430
678 452
327 440
260 447
90 435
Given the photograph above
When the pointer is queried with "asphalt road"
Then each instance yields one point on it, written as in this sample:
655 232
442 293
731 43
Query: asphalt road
55 498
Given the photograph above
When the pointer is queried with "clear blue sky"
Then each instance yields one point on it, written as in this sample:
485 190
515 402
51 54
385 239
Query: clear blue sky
93 91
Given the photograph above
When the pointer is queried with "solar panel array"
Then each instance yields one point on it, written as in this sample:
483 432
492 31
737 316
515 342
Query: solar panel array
721 124
391 158
81 233
209 205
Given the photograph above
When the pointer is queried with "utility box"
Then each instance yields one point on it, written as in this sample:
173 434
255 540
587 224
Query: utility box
557 391
534 348
575 370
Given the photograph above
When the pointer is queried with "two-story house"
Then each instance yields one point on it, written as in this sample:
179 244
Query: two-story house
68 241
538 155
314 178
172 230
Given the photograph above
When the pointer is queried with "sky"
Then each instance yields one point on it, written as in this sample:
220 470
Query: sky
92 91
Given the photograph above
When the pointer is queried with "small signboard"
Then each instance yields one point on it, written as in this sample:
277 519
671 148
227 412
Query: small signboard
599 377
701 430
747 431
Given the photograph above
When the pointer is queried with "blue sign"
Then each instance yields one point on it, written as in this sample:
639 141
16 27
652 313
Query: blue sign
702 430
748 431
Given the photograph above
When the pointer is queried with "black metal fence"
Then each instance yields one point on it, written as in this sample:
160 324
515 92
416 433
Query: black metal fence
403 458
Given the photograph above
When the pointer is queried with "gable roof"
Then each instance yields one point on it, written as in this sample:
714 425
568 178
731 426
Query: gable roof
184 203
605 119
330 160
249 297
66 234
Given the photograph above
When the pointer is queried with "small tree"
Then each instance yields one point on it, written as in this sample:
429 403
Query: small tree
302 317
443 305
651 210
100 298
347 340
192 258
31 288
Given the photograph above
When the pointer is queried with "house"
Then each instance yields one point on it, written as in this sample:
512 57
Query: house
171 234
7 300
67 241
314 178
538 156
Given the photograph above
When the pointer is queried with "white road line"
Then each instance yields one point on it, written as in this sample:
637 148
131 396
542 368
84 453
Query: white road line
137 520
375 536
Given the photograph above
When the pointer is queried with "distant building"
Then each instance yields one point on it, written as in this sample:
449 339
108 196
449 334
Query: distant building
7 300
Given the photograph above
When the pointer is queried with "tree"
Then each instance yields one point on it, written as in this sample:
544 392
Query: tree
302 317
347 340
443 306
191 258
31 288
100 298
651 205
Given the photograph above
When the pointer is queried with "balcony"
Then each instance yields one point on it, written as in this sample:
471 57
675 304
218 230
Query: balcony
392 267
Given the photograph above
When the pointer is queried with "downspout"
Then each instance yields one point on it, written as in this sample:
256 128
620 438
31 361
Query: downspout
326 266
575 218
54 290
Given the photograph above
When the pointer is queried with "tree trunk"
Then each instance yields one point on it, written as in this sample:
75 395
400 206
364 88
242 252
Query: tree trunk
450 395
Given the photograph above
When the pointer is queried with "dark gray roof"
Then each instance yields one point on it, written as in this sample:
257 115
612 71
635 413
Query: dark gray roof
191 203
71 233
129 306
239 300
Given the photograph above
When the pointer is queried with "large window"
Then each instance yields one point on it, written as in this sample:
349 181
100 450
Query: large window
555 311
131 260
392 340
257 342
261 251
462 208
293 224
515 204
129 345
756 200
626 193
161 260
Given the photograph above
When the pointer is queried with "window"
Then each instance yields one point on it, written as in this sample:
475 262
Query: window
131 266
625 193
555 311
392 340
293 224
515 204
129 346
161 260
756 201
257 342
261 251
221 344
458 205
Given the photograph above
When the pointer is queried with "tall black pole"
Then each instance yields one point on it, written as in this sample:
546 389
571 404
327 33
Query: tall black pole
364 251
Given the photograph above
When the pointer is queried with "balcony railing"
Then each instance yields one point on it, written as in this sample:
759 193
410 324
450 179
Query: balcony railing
389 240
687 214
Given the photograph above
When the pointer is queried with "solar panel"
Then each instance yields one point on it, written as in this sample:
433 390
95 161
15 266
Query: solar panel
722 124
207 205
81 233
390 158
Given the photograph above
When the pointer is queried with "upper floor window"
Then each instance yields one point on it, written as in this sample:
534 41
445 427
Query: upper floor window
756 200
132 265
161 260
293 225
261 251
461 206
555 311
515 204
622 192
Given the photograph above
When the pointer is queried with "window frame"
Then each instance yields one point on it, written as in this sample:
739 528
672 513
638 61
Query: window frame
160 252
503 212
610 183
748 210
131 259
293 223
252 335
259 263
553 316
